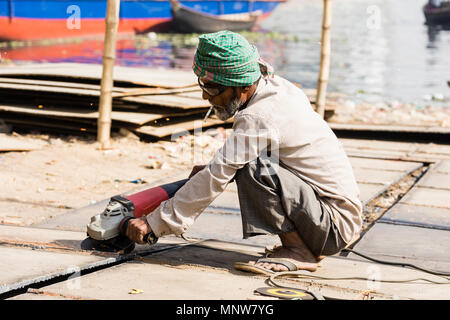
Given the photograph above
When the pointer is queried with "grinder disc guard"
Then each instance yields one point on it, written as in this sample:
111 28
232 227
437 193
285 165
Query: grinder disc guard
120 243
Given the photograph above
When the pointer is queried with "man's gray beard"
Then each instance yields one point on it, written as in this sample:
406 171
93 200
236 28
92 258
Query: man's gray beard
229 111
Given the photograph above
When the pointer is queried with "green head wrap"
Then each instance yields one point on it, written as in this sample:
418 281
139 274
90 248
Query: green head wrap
228 59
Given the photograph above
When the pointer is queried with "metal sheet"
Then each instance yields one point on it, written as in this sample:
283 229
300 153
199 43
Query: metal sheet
138 76
428 197
436 180
368 191
431 217
377 154
389 165
438 149
22 267
160 282
378 176
364 144
178 128
424 247
186 274
136 118
171 100
443 167
389 128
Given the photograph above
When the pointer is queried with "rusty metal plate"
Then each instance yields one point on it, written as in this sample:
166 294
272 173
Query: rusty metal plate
381 164
430 217
75 220
378 176
428 197
368 191
154 281
377 154
437 149
20 267
443 167
436 180
424 247
137 76
378 145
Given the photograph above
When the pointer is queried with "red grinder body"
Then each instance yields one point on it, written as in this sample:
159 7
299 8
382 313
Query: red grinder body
148 200
112 222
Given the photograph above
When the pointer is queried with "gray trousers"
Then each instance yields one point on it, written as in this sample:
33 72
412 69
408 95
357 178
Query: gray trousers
281 202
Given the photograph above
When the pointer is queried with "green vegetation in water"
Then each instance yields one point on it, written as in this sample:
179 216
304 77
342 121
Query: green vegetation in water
45 42
192 38
146 40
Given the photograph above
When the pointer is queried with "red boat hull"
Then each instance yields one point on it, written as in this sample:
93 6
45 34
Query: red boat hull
32 29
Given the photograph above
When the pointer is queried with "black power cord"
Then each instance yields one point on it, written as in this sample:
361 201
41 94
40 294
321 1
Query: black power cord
402 264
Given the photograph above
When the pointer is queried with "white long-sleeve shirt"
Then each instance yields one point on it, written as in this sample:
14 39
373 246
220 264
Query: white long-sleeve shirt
279 117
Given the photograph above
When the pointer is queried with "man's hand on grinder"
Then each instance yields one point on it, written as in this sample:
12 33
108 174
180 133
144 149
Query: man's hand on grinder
196 169
137 229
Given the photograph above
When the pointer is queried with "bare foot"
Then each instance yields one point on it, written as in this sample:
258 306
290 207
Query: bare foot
293 249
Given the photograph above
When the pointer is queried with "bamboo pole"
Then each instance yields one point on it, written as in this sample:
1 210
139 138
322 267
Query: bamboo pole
107 82
325 52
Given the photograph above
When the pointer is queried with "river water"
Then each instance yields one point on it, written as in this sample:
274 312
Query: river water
381 50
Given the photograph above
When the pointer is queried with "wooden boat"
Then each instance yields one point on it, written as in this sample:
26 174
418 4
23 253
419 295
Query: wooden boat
189 20
437 15
43 19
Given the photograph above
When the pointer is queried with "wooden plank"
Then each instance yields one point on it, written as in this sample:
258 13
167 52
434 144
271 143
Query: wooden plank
164 78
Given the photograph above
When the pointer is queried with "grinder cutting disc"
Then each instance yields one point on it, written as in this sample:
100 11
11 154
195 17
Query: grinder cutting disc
285 293
120 243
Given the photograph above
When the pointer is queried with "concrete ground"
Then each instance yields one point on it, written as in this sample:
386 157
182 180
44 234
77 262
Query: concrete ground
46 260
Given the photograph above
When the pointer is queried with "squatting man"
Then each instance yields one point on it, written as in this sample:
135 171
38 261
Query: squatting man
293 176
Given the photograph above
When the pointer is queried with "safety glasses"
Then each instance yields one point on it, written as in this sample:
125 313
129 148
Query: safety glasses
212 90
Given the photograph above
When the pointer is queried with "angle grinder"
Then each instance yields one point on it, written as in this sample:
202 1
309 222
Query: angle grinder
106 231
